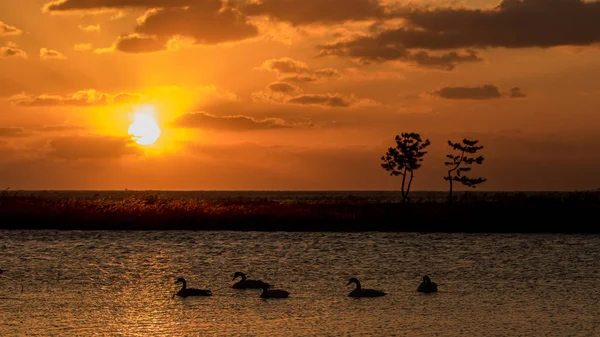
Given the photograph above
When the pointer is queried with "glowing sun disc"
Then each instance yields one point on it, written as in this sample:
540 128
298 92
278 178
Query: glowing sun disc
144 129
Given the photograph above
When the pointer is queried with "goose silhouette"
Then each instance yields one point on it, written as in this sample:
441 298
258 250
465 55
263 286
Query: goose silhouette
246 283
427 286
185 292
273 293
363 292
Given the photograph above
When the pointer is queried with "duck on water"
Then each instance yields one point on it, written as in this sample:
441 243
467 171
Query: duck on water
427 286
363 292
185 292
273 293
246 283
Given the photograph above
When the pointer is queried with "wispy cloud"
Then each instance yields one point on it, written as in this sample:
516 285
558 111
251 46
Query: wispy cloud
83 47
290 70
234 122
8 30
481 92
89 97
90 28
92 147
286 93
11 50
50 54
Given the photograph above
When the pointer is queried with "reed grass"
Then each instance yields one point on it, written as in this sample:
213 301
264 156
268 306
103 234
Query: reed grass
566 212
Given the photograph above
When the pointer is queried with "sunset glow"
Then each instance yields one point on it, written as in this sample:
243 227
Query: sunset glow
144 129
296 94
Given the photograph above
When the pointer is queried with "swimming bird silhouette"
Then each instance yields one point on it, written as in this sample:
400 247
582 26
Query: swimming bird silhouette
246 283
273 293
427 286
185 292
361 292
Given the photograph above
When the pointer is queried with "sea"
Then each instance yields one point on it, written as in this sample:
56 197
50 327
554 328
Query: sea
121 283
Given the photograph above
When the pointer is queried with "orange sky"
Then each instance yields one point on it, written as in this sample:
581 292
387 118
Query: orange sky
296 94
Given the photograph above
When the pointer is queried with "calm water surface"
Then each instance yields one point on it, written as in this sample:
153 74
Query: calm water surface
120 284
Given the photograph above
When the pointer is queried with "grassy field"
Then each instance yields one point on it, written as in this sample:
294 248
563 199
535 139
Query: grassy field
566 212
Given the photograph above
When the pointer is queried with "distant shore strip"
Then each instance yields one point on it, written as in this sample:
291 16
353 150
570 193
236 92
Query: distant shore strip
502 213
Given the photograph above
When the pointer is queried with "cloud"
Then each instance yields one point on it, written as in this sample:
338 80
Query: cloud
482 92
49 54
327 72
285 65
83 47
12 132
290 70
94 5
89 97
202 23
296 12
331 100
286 93
61 128
445 61
134 43
12 51
118 15
367 50
511 24
302 12
91 147
232 123
516 93
90 28
207 22
448 30
283 88
8 30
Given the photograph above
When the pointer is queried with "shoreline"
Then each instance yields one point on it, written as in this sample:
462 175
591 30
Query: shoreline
567 212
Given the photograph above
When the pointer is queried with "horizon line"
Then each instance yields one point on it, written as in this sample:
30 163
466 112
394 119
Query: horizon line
292 190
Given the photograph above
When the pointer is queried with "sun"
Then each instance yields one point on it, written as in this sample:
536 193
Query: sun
144 130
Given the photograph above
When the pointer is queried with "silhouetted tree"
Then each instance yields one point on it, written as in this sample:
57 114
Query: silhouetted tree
455 173
405 158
